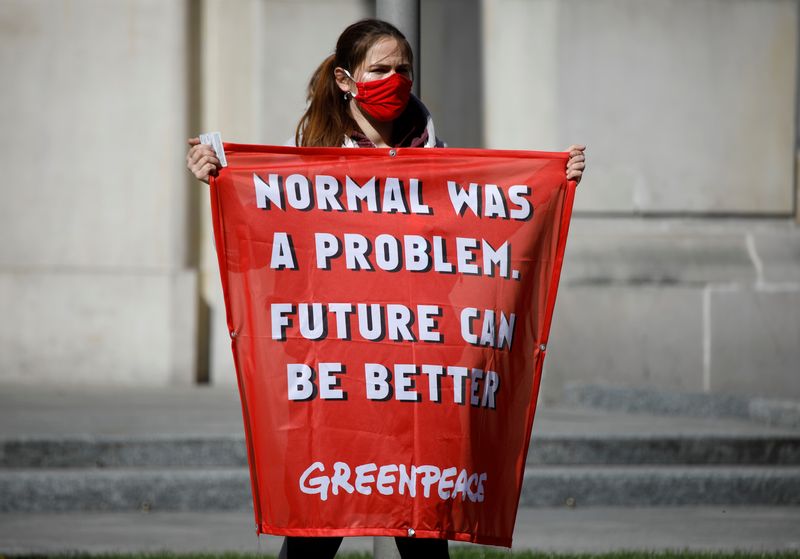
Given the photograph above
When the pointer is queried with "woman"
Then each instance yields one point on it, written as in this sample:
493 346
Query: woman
360 96
376 111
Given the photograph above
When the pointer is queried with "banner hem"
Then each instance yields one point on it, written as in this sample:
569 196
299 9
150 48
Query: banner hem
395 152
219 239
540 352
386 532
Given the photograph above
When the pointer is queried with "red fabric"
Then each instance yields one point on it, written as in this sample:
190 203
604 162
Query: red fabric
469 447
384 99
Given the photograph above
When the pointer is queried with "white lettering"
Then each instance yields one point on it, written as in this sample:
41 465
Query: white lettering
377 379
495 205
279 321
417 207
328 383
404 383
465 256
301 381
386 479
357 194
298 192
363 478
312 325
464 198
517 194
327 246
267 192
458 374
475 385
328 192
317 485
393 197
427 323
282 252
467 316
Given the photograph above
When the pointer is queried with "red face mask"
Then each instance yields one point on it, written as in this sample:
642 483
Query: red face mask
385 99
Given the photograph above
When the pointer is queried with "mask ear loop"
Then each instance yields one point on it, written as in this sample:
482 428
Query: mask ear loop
354 81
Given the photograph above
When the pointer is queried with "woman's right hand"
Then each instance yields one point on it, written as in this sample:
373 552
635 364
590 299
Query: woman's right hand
201 160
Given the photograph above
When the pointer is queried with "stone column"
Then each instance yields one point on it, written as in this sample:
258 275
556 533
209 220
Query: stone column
97 284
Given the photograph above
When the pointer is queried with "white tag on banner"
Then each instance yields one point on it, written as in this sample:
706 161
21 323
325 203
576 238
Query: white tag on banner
214 139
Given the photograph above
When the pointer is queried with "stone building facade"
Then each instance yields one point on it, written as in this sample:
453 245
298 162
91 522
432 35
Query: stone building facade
683 264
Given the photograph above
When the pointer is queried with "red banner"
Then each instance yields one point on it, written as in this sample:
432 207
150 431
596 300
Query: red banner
389 313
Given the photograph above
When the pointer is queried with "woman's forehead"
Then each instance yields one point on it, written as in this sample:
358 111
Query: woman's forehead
385 51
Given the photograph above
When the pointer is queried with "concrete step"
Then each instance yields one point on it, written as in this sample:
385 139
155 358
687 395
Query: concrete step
87 451
229 451
651 486
665 449
653 401
220 489
125 489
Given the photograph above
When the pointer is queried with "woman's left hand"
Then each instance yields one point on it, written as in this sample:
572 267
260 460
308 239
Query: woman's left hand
576 163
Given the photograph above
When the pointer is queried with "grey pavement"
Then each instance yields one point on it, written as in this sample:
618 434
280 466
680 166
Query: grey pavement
557 530
32 412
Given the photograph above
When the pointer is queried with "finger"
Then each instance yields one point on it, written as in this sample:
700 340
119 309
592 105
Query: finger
201 148
201 173
199 152
212 158
193 155
577 157
201 163
576 147
193 141
209 168
205 160
576 166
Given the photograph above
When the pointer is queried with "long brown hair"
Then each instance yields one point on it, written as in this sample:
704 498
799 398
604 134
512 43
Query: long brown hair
327 119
